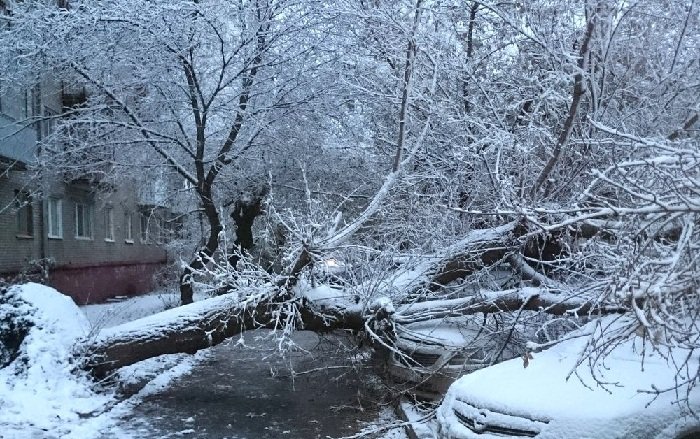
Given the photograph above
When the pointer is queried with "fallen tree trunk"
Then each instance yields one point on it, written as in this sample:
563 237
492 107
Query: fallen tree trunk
508 242
480 248
190 328
204 324
526 299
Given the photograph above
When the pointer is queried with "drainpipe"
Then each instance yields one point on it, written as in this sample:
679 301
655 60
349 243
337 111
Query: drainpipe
43 242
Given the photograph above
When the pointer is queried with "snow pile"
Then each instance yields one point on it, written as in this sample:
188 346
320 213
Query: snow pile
328 298
160 372
42 389
383 304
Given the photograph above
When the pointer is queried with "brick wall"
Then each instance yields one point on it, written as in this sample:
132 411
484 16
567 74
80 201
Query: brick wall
16 250
89 268
98 283
74 251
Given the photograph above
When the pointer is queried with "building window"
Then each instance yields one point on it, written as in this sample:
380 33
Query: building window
55 217
83 220
34 102
128 229
25 214
109 224
144 226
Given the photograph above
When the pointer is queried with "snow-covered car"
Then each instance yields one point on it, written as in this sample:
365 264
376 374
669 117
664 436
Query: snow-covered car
431 355
568 391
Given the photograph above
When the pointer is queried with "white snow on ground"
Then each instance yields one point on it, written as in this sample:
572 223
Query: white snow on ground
47 397
176 366
422 420
43 396
386 426
106 315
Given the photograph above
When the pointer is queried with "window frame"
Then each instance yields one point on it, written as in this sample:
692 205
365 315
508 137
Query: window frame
24 203
128 228
109 224
48 122
143 227
88 223
58 207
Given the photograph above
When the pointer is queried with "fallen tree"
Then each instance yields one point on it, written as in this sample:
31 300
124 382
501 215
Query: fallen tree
201 325
283 304
190 328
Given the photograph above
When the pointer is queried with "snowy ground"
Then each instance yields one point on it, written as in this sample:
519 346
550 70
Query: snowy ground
47 399
105 315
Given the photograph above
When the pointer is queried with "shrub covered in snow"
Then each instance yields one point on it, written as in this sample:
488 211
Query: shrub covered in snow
15 323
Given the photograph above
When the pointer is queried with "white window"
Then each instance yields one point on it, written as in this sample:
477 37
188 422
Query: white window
128 228
109 224
55 216
162 231
83 220
144 226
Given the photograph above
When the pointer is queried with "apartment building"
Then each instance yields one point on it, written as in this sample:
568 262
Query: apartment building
94 240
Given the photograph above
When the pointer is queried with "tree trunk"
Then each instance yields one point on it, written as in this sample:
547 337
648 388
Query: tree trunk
200 325
244 213
204 254
190 328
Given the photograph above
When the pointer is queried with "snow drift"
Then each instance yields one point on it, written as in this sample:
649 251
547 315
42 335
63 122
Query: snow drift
41 385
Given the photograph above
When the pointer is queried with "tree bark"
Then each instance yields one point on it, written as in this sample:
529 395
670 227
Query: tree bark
526 299
576 96
205 180
197 326
204 254
244 213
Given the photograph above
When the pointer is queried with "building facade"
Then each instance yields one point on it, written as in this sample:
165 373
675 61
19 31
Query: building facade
90 241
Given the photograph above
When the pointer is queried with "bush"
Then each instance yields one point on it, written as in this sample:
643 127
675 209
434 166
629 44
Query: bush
15 323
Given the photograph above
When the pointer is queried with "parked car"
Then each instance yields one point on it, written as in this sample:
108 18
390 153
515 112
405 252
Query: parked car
431 355
566 393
